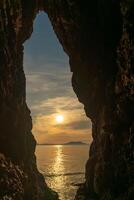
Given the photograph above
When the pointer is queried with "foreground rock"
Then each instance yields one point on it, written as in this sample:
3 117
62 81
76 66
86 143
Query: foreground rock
15 180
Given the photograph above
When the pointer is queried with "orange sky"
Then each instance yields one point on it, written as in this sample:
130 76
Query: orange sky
75 127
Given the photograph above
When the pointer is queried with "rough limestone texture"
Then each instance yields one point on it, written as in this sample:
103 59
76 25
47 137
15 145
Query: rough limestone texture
98 36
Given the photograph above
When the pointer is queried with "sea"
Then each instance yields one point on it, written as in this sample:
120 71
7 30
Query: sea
63 167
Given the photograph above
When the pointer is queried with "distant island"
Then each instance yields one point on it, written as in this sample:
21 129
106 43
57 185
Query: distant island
75 143
68 143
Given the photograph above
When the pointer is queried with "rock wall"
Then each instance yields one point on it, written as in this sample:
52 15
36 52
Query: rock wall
98 37
19 177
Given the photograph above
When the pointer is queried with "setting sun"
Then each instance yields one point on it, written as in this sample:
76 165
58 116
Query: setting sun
59 118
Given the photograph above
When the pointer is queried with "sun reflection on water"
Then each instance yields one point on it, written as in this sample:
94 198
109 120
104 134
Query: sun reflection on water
61 165
58 168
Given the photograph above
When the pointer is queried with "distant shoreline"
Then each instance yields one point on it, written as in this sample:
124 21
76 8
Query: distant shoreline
66 144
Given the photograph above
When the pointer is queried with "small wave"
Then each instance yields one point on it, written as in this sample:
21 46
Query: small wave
63 174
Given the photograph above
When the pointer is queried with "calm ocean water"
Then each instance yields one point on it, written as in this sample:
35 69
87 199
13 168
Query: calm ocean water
63 166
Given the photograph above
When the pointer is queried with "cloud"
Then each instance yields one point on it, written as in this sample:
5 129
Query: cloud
62 103
43 82
79 125
50 92
75 120
46 85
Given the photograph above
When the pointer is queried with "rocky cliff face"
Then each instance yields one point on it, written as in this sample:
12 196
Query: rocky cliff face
19 177
98 37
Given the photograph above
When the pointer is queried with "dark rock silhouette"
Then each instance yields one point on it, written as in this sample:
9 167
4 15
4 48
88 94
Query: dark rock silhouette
75 143
98 37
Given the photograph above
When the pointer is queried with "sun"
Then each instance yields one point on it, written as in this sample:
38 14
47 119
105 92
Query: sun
59 118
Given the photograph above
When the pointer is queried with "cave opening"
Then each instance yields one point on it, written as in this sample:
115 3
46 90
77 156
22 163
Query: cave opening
58 118
98 37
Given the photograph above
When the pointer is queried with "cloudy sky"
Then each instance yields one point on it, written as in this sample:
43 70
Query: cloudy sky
49 90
